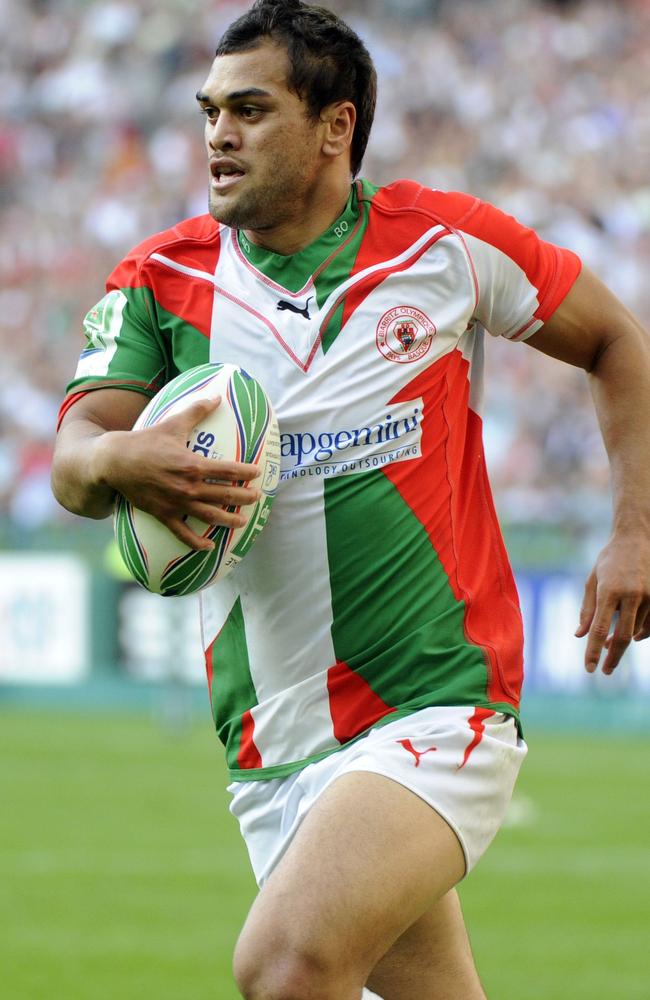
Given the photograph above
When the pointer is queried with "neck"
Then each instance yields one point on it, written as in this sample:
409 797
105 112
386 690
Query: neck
308 221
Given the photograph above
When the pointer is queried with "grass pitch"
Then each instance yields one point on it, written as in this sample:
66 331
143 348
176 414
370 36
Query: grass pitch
123 875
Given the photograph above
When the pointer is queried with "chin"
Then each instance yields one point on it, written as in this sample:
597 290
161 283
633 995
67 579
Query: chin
239 217
229 215
221 213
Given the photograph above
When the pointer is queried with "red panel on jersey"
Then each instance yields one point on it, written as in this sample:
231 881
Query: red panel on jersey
209 669
354 706
384 242
465 535
194 244
249 755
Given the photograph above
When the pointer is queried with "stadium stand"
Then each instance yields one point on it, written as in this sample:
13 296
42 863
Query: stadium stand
541 108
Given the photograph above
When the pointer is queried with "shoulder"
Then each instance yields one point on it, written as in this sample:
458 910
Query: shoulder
406 218
483 229
193 242
407 197
414 210
458 212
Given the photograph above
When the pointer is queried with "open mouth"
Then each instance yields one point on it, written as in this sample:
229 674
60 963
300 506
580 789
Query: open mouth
225 175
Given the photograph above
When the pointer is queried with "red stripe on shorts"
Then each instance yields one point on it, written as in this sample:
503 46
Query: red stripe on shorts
477 725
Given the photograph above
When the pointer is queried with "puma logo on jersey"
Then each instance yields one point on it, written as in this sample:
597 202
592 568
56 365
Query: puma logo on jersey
282 305
418 754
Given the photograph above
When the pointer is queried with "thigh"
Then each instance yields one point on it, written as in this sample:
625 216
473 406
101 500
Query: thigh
432 958
461 761
367 862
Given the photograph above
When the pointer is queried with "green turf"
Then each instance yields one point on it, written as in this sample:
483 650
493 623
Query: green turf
122 873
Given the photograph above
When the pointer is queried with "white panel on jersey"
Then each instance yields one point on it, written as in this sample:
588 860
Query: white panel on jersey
102 325
350 386
296 724
507 299
285 592
472 347
214 613
287 606
284 582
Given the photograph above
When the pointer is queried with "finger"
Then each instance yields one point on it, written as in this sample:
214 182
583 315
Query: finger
227 472
588 608
217 515
642 625
599 631
221 495
621 637
184 533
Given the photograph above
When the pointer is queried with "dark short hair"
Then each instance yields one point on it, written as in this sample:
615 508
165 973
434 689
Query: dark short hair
328 62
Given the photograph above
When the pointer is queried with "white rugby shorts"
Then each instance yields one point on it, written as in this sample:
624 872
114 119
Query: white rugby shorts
463 761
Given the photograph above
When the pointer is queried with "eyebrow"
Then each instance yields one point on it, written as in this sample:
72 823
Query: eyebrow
236 95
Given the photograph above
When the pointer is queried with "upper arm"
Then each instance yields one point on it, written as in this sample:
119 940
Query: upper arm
585 323
107 409
86 423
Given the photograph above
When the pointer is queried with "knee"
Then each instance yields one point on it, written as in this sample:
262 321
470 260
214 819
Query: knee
280 977
284 971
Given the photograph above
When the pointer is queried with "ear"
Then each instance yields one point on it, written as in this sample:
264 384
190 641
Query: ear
339 120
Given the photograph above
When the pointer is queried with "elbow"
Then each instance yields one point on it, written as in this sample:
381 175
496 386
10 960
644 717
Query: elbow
74 498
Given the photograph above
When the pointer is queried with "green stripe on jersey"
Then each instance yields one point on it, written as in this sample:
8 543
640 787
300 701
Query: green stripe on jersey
411 648
233 686
341 266
185 346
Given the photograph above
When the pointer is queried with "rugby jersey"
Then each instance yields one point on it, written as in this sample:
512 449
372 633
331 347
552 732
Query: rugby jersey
381 584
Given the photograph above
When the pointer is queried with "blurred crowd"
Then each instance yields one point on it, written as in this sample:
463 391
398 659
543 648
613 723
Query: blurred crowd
542 108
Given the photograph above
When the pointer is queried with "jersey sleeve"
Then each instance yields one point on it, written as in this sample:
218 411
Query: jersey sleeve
519 278
123 347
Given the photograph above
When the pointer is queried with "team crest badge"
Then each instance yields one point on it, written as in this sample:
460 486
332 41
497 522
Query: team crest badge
405 334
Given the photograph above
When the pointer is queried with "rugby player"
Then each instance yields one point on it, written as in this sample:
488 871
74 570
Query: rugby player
365 660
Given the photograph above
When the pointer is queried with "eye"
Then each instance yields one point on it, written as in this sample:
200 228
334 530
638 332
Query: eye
249 112
210 113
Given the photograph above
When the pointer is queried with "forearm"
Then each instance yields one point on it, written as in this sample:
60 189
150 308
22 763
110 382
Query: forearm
620 385
79 470
593 330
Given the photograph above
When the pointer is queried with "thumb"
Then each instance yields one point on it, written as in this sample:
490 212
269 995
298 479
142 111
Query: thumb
193 414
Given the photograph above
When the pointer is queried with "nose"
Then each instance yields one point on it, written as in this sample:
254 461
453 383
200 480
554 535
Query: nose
223 134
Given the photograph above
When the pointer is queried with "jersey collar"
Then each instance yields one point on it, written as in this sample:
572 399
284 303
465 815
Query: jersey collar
295 271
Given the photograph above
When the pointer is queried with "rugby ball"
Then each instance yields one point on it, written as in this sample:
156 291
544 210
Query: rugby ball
242 429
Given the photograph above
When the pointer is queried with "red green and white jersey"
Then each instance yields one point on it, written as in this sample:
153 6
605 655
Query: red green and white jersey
381 584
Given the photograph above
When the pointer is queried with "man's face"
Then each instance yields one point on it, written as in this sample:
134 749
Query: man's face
263 149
